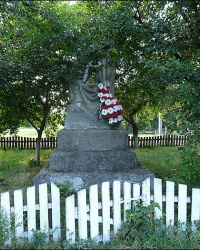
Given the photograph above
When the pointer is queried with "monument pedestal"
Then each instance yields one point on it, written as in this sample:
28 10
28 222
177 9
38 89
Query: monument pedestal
89 151
85 179
92 150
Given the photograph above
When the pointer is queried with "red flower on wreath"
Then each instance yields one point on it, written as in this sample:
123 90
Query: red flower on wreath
110 108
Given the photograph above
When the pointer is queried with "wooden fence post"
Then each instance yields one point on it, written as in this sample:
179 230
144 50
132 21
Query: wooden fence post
18 205
70 218
182 205
43 200
195 214
158 197
31 212
146 192
116 206
169 203
94 225
5 208
82 215
55 200
105 189
127 197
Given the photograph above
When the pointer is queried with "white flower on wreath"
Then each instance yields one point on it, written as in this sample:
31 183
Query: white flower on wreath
100 94
110 121
114 101
115 108
115 120
102 100
104 112
119 118
100 86
107 102
110 110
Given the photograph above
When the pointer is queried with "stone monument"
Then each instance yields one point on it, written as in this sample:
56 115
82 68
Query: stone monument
92 149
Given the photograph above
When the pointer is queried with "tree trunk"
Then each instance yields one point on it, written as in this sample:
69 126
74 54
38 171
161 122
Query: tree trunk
37 157
130 119
135 135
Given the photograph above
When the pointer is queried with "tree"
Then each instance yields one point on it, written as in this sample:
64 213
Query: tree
155 46
34 80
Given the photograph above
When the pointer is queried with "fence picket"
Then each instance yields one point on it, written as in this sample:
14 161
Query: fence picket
182 205
18 206
146 192
55 198
127 197
31 212
195 214
158 197
105 188
82 214
70 218
43 200
169 203
136 192
116 206
94 225
5 207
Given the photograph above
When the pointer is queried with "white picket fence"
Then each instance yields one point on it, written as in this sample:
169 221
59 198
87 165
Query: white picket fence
86 215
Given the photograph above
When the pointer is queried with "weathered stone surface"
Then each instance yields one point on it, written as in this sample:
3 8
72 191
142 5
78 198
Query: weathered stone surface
91 154
91 161
92 139
85 179
76 118
91 150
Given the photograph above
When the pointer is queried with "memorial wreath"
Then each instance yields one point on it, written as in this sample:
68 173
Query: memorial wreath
110 107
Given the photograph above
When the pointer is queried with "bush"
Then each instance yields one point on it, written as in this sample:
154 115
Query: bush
142 231
190 163
5 228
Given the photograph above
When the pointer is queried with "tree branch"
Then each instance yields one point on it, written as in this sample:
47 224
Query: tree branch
137 16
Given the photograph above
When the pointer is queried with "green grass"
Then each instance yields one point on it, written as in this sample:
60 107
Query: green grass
162 161
15 170
172 163
27 132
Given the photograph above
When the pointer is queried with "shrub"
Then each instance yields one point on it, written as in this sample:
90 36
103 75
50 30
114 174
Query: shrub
142 231
5 228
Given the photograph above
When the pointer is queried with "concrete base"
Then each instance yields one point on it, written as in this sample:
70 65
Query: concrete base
92 150
80 180
89 151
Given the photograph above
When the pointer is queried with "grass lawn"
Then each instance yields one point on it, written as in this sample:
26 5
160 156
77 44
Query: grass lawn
162 161
28 132
15 170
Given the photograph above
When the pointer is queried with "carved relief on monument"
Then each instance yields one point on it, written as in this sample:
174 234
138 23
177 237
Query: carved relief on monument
84 94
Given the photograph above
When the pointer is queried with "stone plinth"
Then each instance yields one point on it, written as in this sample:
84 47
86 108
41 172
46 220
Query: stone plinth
89 151
92 139
85 179
92 150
